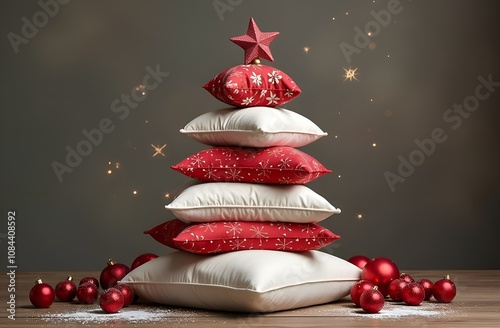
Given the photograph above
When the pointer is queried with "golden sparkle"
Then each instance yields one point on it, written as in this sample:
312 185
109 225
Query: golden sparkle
158 150
134 192
359 216
374 144
141 89
350 74
167 195
306 49
109 171
339 176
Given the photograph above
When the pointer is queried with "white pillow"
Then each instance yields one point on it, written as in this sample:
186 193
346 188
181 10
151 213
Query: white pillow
253 127
238 201
244 281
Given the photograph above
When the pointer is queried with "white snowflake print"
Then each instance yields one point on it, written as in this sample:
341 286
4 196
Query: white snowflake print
284 163
284 226
216 250
247 101
285 180
275 152
258 232
234 174
273 99
283 244
208 226
300 171
233 227
211 174
308 229
263 93
257 180
197 160
289 93
264 171
229 152
256 79
274 77
237 244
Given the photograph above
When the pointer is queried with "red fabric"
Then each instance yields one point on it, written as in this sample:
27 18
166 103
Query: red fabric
273 165
167 231
255 42
220 237
253 85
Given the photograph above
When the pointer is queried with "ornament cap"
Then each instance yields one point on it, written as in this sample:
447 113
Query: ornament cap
111 262
38 281
70 278
375 288
256 61
447 277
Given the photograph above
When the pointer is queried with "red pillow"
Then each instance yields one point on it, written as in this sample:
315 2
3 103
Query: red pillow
220 237
274 165
253 85
167 231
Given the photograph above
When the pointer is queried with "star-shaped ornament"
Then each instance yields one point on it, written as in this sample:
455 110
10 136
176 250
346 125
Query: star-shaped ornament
255 43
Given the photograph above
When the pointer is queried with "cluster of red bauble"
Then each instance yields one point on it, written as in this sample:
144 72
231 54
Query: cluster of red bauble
114 297
381 277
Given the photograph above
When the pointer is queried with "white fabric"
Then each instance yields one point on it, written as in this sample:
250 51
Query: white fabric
244 281
238 201
253 127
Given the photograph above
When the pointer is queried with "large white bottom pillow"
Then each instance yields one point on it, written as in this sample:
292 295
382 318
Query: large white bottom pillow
244 281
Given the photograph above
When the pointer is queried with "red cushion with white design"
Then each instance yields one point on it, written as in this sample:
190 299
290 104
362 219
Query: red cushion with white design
274 165
253 85
220 237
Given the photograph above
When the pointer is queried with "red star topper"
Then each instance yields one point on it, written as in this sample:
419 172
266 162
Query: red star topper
255 42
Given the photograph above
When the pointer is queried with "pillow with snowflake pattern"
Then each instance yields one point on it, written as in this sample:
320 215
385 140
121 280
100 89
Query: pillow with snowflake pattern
253 85
221 237
276 165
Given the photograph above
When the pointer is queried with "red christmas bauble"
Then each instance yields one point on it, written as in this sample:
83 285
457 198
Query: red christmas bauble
381 271
141 259
359 260
127 292
358 289
87 293
66 290
427 284
113 273
444 290
372 301
92 280
406 277
111 300
396 287
42 295
413 293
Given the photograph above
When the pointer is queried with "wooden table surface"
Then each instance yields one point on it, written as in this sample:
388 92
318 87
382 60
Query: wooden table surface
477 304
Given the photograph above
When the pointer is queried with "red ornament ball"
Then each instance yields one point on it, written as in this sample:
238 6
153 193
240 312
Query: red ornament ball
87 293
406 277
141 259
66 290
111 300
381 271
92 280
413 293
372 301
358 289
444 290
42 295
359 260
395 288
127 292
427 284
113 273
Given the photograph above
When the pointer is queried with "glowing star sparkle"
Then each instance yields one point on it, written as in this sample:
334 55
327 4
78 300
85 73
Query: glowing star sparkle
350 74
306 49
158 150
255 43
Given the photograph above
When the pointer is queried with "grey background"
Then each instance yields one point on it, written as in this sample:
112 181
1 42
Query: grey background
444 216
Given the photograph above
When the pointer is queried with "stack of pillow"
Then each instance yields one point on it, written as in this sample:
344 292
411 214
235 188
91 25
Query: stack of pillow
248 232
